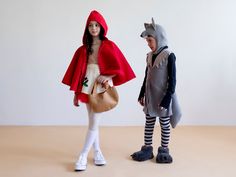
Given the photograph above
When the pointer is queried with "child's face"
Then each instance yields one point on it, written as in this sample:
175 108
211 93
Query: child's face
152 43
94 28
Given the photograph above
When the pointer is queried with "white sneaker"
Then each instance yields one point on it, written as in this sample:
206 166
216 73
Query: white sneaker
81 163
99 159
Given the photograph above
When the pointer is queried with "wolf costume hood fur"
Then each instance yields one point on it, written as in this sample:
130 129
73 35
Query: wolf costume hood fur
156 31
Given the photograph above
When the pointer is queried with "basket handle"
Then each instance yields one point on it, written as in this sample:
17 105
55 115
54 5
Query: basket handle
105 85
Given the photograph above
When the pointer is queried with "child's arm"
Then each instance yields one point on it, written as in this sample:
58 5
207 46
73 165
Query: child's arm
142 91
171 81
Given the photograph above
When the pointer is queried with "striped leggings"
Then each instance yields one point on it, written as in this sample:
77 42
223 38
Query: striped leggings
165 130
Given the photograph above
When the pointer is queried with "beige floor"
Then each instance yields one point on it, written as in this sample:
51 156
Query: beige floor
50 152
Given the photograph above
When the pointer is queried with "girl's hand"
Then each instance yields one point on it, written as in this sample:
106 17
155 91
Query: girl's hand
76 101
141 101
102 78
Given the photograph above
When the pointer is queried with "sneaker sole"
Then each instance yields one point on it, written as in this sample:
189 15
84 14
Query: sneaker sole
100 164
80 169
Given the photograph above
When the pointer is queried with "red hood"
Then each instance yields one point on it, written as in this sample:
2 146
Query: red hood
95 16
110 59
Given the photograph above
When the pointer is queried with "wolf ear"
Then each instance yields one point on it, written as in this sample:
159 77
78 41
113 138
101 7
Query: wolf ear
146 25
153 24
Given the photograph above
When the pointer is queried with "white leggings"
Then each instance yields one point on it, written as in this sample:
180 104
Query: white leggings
92 137
94 119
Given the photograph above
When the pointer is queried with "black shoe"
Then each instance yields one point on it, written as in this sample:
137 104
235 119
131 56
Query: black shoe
146 153
163 155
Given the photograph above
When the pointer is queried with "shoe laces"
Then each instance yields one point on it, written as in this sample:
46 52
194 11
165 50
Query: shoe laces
98 155
82 159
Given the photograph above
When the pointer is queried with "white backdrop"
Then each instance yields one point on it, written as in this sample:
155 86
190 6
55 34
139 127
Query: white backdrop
38 39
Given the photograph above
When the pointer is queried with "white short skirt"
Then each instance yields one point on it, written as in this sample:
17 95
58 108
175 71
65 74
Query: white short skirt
91 75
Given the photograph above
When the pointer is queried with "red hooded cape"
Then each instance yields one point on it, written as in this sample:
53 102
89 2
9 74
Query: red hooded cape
111 61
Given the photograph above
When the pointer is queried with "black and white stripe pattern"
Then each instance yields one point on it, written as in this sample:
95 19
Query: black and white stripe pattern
165 131
149 127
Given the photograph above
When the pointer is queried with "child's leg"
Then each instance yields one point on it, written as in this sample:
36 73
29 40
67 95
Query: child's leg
96 144
146 151
91 136
165 131
163 155
98 156
93 130
148 132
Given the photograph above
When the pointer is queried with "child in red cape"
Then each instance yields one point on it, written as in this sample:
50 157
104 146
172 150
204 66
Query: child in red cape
97 60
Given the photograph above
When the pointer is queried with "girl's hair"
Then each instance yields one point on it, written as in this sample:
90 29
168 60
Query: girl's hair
89 40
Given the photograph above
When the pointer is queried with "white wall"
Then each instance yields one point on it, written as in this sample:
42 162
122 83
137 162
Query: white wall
38 39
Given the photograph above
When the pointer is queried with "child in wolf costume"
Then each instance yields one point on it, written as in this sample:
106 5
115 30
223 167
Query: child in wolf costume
157 94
